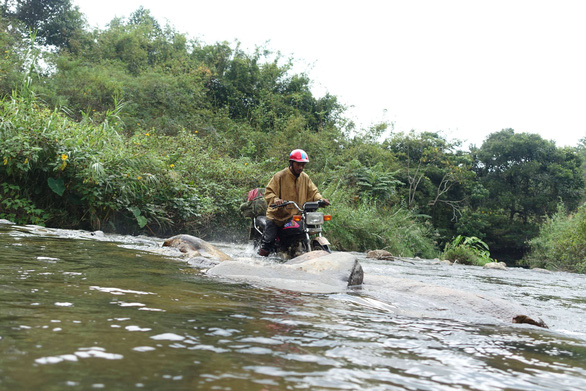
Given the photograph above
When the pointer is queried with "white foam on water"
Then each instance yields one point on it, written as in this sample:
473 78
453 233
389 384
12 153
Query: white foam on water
118 291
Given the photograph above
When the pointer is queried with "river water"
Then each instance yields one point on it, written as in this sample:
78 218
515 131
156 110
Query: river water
83 312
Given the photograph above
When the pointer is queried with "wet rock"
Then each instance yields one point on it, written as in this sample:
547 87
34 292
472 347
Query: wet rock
6 222
496 265
307 256
195 247
527 320
345 265
380 254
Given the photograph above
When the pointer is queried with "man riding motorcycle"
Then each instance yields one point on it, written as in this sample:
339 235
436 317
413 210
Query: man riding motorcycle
289 184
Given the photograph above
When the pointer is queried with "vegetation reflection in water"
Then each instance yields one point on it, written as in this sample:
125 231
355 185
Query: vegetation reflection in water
87 314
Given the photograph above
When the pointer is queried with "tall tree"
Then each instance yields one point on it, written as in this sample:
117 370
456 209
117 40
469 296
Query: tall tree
435 169
56 21
526 177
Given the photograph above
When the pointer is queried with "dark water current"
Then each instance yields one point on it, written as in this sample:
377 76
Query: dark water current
118 313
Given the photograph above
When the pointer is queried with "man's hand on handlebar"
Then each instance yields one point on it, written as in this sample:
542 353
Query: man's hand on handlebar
280 203
325 201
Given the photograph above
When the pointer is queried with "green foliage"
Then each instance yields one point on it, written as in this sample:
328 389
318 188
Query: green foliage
93 176
361 225
436 173
11 58
526 176
510 164
17 207
468 250
57 185
581 151
376 184
57 21
561 243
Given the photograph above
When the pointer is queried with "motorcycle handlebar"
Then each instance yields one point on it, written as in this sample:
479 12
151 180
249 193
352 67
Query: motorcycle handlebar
321 203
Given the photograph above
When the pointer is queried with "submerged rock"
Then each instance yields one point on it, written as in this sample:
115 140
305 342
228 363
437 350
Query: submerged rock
314 272
418 299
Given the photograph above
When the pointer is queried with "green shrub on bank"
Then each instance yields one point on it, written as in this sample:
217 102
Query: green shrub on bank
561 243
361 225
467 251
62 173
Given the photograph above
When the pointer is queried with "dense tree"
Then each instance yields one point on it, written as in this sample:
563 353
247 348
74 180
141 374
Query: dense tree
11 60
437 176
526 177
56 22
170 83
581 150
422 155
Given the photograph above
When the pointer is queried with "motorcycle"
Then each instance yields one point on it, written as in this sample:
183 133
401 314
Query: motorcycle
310 221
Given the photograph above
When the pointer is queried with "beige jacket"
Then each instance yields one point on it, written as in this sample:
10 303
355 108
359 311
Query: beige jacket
288 187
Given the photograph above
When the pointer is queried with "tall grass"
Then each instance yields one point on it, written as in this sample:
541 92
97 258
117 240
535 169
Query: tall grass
561 243
59 172
360 224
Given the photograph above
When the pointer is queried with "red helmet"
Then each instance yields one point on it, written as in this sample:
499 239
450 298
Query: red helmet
299 155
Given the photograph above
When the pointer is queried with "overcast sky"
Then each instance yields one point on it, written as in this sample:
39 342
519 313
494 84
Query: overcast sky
463 67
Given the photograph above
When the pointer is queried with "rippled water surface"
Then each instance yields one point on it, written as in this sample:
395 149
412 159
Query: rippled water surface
81 312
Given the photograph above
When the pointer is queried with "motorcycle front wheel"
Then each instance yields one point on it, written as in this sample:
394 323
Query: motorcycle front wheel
316 246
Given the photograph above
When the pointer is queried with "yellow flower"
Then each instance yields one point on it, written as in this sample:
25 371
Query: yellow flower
63 157
26 161
172 165
139 178
196 131
5 161
147 134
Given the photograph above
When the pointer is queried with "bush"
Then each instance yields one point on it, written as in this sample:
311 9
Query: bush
361 225
468 251
561 243
62 173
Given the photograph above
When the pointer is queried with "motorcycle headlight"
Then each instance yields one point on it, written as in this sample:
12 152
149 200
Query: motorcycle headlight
314 218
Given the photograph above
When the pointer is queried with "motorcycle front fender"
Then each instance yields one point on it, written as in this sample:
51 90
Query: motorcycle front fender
322 240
